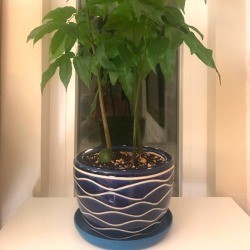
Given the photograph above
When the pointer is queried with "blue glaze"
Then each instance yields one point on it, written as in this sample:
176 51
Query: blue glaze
153 235
118 203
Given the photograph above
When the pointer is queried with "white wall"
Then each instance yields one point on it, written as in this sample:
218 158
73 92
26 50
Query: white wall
37 132
193 109
58 133
228 113
20 105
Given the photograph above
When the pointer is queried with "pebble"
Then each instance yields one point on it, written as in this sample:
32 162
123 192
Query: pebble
123 161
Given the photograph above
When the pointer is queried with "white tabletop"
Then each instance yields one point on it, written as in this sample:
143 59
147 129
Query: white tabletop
198 223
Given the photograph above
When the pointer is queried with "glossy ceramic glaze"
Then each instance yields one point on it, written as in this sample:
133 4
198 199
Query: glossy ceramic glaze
135 242
119 204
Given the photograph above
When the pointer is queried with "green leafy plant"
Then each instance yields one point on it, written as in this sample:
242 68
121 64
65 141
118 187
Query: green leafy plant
120 40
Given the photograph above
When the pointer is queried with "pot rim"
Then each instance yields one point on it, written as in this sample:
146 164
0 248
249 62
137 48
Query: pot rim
79 164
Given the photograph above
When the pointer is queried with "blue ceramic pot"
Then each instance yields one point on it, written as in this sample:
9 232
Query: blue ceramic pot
119 204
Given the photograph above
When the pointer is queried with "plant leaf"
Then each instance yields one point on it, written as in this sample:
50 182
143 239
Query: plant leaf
113 76
37 33
168 64
70 42
196 30
60 14
137 8
71 35
174 16
94 2
197 48
48 74
65 71
107 64
57 45
156 51
126 55
101 56
127 81
52 68
152 12
69 28
175 37
82 67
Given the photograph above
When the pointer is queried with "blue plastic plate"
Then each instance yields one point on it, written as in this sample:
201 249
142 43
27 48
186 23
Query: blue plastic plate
137 243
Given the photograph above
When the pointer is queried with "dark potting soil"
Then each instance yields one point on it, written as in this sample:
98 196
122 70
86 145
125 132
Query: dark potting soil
123 161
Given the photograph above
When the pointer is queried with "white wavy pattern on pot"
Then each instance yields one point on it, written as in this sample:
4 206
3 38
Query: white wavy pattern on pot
121 213
122 230
125 223
120 195
135 233
126 186
125 178
132 225
129 206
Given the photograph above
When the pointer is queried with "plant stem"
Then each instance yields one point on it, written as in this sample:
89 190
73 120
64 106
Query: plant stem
100 92
103 113
137 140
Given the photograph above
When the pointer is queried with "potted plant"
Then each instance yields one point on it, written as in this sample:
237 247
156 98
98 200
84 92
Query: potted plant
123 192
